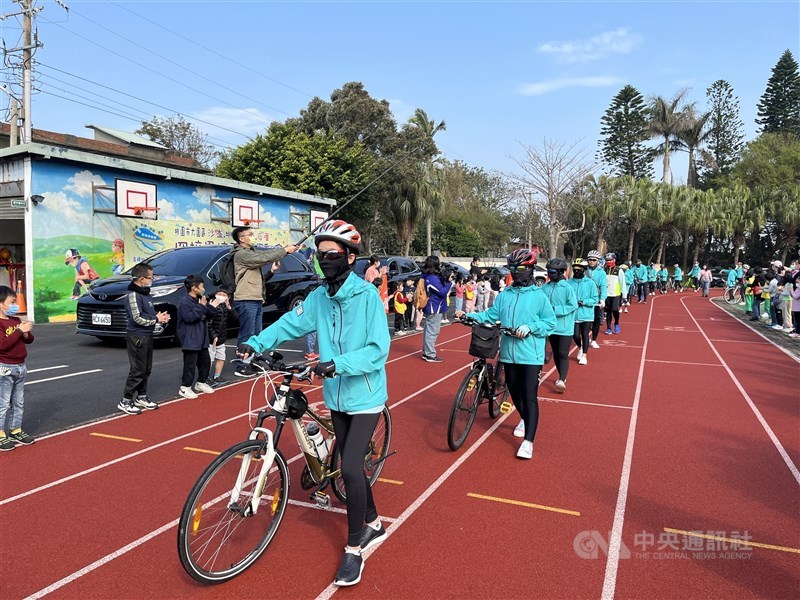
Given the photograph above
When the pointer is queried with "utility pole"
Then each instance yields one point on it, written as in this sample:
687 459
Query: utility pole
27 59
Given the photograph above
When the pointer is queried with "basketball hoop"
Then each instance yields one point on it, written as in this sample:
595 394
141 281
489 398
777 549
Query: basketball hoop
252 223
146 212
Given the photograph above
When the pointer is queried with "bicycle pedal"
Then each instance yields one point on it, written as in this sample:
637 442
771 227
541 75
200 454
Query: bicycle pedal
506 407
322 499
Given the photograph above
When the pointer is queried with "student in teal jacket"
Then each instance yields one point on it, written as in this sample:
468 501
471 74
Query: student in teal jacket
677 277
651 279
565 304
662 277
695 275
522 306
640 278
587 296
630 284
352 359
598 275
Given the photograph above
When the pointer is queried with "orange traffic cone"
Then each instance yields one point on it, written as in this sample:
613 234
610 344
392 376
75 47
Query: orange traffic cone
23 307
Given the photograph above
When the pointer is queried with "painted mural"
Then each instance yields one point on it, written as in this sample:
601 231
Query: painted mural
75 242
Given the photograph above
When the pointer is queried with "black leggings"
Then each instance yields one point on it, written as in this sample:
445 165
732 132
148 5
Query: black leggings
612 310
599 313
353 433
523 385
581 335
560 345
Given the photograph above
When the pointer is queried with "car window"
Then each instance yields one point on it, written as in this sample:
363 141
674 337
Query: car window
182 262
406 267
292 264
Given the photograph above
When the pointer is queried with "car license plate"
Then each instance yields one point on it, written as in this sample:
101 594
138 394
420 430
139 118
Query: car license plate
101 319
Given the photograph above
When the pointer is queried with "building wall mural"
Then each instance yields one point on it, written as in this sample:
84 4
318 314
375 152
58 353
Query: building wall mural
73 243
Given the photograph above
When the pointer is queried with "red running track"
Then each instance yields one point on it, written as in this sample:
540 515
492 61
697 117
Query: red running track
684 425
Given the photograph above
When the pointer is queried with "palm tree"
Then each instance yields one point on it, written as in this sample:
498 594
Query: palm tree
667 121
431 202
692 137
603 206
635 196
742 214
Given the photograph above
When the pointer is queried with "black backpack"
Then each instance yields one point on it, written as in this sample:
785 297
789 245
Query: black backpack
227 272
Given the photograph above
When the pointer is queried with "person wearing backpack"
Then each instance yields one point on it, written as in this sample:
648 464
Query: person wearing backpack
248 283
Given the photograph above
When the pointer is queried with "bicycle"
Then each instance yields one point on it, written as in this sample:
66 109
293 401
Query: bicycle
484 382
733 294
236 506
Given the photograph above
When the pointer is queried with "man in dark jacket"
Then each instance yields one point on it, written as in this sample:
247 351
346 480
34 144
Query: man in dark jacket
193 312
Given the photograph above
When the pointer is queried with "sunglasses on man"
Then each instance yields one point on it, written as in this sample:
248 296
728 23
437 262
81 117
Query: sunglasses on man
330 254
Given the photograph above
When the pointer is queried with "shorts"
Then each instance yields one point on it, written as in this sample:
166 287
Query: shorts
217 352
612 303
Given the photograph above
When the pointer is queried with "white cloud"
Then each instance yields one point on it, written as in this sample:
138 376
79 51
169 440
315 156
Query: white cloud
617 41
269 219
81 183
249 121
402 111
551 85
166 210
202 216
203 194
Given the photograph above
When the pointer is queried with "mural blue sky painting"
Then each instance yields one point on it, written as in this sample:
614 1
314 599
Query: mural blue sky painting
498 73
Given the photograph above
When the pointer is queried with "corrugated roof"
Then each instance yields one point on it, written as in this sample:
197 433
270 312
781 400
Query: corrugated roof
127 137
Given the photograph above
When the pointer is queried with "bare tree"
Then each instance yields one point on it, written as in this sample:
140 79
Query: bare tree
551 174
182 137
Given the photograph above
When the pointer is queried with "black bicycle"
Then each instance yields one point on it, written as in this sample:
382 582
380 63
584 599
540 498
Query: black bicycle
484 382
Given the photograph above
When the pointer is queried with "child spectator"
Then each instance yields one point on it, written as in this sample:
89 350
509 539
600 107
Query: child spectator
400 302
786 296
218 335
494 288
408 290
193 312
459 293
469 296
143 322
14 336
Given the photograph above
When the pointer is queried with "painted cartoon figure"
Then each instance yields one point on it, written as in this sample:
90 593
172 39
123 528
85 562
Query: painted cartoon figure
84 273
118 260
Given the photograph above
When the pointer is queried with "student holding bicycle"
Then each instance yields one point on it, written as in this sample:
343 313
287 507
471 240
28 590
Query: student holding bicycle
524 307
353 353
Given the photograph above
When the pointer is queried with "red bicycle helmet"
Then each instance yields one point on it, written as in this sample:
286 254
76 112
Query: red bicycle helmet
522 257
341 232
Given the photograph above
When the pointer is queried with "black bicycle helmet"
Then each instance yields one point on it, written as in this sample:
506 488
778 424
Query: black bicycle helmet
557 264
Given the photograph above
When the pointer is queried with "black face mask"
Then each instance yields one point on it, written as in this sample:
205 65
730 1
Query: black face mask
555 276
578 274
522 278
335 271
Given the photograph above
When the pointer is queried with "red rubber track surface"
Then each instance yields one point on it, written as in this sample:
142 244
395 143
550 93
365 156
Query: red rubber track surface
97 516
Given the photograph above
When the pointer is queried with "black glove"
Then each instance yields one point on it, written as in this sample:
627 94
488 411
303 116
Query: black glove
325 369
245 349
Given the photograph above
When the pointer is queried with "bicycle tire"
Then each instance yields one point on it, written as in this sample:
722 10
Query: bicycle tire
378 448
211 554
465 406
500 390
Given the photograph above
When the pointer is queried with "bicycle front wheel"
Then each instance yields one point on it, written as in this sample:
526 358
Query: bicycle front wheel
500 390
218 534
376 453
465 405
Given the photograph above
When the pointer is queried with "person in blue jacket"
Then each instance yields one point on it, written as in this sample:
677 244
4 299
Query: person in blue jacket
562 298
345 312
640 278
730 282
587 295
194 312
598 275
663 276
695 275
677 278
438 284
522 306
630 285
651 278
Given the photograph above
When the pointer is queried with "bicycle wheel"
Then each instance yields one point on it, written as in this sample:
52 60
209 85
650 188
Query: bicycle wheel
465 405
730 295
500 390
378 448
218 537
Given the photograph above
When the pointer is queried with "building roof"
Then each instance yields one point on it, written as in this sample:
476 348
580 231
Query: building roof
127 137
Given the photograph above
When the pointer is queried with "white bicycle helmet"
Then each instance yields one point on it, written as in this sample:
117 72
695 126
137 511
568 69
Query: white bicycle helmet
341 232
594 254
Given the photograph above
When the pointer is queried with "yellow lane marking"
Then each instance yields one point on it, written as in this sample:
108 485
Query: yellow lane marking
115 437
739 542
394 481
191 449
525 504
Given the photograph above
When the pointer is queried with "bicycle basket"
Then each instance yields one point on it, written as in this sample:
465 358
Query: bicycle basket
485 341
296 404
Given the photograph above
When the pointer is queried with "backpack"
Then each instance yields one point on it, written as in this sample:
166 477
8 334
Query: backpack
227 272
420 295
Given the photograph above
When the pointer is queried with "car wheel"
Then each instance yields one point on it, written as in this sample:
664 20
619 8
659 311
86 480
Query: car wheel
295 301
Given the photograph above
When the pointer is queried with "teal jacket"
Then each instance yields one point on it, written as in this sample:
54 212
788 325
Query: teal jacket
731 281
678 274
565 304
651 274
516 306
639 273
695 272
351 331
598 275
739 272
629 276
663 275
587 296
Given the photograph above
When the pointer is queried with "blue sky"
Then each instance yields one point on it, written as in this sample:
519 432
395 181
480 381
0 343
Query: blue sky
498 73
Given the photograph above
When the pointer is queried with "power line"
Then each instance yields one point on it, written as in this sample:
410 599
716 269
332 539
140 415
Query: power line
212 51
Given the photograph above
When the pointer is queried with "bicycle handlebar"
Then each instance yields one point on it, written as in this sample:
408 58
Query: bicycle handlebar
274 362
469 322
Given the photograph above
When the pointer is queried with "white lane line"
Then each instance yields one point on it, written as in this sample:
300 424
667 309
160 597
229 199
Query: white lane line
782 349
678 362
47 368
615 542
63 376
741 342
585 403
778 446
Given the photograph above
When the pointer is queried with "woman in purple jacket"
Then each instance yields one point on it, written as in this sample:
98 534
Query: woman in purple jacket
437 286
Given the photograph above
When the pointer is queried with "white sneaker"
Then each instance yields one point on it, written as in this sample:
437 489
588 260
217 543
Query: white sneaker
144 403
525 450
626 309
780 327
519 430
583 360
580 355
594 345
186 392
203 388
561 386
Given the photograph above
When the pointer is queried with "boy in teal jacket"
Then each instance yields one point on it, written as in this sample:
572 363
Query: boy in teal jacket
564 302
651 279
598 275
587 296
662 276
677 277
345 312
523 307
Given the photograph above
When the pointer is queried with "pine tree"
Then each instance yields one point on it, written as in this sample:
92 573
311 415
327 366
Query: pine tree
624 133
779 107
725 137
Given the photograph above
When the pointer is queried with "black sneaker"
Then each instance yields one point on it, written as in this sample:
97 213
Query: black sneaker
217 381
21 438
244 371
6 444
371 536
433 359
350 571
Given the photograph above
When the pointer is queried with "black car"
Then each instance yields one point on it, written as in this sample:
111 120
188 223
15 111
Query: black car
400 268
101 311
